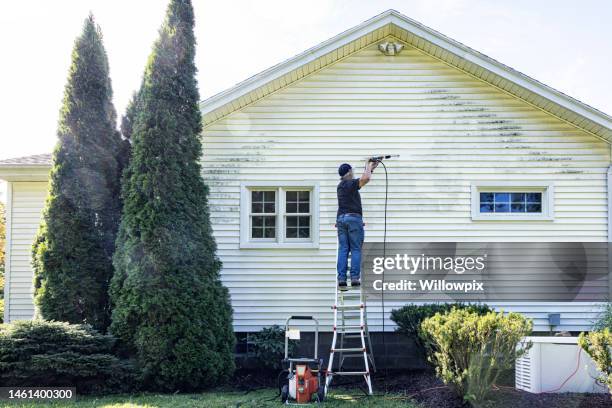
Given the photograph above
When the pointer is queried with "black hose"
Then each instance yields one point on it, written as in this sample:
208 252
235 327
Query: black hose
382 293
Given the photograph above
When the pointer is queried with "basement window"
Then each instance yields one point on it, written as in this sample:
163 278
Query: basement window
512 201
279 216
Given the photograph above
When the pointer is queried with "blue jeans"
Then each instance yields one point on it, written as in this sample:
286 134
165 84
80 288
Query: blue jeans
350 239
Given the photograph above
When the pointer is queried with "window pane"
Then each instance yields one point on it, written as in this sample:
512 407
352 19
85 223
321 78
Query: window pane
292 221
298 227
269 196
501 207
534 208
258 221
292 232
269 222
256 208
263 226
518 197
298 202
502 198
304 232
269 207
257 196
534 197
486 197
304 221
518 207
257 233
486 208
292 207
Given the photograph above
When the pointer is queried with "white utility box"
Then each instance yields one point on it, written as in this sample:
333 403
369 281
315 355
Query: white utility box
556 364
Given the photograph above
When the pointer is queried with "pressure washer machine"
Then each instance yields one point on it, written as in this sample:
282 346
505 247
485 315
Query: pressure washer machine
304 382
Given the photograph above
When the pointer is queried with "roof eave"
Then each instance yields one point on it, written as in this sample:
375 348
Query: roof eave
32 172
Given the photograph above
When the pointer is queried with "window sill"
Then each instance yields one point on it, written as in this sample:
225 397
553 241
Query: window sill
278 245
508 217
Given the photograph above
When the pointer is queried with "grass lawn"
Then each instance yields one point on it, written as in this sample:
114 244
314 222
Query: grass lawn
254 399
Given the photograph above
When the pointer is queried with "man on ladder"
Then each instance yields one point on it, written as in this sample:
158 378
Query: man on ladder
349 221
350 315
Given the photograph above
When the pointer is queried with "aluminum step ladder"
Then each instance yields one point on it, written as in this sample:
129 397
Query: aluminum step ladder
351 338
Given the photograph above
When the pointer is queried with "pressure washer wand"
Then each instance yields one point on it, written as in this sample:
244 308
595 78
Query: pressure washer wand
381 157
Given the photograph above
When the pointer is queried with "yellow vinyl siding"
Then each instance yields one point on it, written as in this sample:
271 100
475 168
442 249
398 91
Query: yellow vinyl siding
450 129
27 201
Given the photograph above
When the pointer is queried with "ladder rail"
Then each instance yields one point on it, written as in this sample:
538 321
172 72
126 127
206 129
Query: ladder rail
342 321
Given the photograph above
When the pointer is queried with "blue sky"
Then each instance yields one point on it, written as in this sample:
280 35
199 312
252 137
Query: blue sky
564 44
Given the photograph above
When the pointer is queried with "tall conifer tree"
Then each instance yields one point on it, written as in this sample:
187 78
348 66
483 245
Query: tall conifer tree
72 253
169 303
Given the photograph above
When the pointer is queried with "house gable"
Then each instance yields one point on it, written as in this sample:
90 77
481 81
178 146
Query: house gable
392 23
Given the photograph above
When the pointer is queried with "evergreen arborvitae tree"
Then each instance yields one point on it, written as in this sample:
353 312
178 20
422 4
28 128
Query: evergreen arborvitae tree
72 253
169 303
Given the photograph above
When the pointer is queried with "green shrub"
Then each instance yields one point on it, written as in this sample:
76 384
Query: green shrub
409 318
169 304
597 344
469 350
604 320
268 346
73 249
40 353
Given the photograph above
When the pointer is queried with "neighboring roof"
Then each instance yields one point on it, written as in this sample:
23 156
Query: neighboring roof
27 161
393 23
28 168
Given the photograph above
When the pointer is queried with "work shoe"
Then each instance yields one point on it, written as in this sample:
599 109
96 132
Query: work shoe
342 285
355 283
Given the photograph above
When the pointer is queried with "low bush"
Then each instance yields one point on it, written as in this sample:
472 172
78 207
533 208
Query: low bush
597 345
409 318
604 320
268 346
55 354
469 350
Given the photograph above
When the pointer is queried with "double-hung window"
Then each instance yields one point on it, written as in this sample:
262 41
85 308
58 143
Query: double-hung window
512 201
276 216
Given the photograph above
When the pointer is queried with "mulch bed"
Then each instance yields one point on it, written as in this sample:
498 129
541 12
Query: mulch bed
430 392
424 388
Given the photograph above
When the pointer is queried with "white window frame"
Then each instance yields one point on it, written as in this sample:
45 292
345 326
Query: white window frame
280 241
548 200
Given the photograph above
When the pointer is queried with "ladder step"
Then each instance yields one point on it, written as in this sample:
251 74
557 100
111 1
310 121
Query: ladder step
349 332
349 295
349 307
349 350
349 326
349 373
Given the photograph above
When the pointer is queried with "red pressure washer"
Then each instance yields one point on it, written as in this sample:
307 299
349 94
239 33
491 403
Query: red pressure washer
304 380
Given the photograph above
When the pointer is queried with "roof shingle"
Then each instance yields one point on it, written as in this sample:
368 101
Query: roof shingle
34 160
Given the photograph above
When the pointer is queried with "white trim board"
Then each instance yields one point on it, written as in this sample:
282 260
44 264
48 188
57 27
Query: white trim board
247 243
548 200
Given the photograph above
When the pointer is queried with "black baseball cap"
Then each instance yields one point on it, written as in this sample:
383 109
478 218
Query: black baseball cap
343 169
